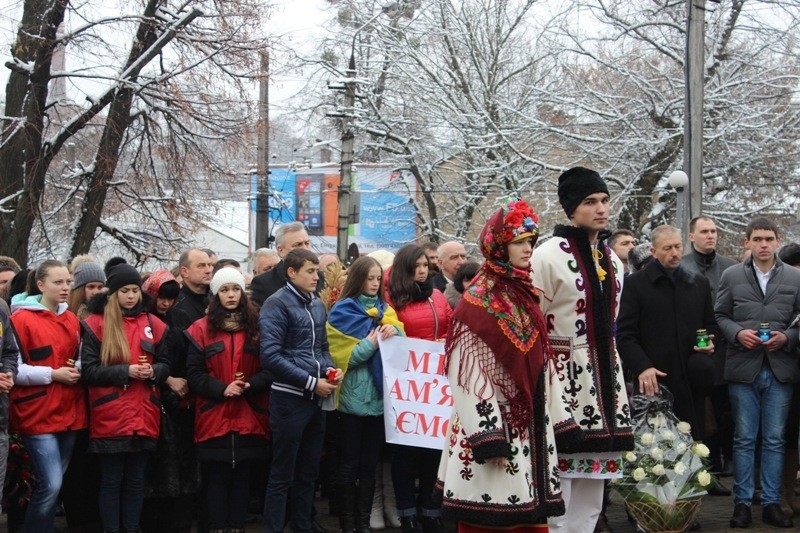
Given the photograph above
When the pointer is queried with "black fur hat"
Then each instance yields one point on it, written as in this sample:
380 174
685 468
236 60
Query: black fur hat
576 184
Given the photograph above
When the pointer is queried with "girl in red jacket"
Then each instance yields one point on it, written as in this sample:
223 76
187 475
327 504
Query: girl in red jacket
225 373
47 407
124 361
425 314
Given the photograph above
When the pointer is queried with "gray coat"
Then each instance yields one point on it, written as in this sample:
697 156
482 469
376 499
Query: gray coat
741 305
8 358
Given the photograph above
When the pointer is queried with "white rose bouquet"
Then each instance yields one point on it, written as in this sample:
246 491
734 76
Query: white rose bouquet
666 474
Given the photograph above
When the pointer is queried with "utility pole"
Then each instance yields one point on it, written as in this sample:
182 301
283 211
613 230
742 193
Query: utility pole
346 169
262 151
693 116
348 135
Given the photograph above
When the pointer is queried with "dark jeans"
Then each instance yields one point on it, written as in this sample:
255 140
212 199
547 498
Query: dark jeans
80 488
298 429
227 494
407 462
360 442
122 489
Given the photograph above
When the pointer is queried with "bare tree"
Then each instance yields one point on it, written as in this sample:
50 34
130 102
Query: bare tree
446 91
622 72
171 119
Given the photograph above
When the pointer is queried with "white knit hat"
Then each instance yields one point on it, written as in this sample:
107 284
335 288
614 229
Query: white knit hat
383 257
224 276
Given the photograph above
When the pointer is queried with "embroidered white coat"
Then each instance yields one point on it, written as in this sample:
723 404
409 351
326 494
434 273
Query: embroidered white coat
527 490
594 387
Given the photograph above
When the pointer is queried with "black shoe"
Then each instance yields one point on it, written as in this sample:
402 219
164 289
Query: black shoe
773 515
718 489
409 524
317 528
727 470
741 516
431 524
602 525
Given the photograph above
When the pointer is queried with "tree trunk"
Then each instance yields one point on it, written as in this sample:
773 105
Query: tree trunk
23 159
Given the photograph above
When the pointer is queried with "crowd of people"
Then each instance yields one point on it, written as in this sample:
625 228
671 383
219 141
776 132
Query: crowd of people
151 401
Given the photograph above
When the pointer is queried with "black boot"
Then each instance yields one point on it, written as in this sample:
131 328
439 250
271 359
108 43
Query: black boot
347 508
431 524
364 495
409 524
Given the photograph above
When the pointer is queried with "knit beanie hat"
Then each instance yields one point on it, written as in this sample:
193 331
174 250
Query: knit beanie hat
88 273
224 276
790 254
576 184
121 275
639 256
383 257
111 263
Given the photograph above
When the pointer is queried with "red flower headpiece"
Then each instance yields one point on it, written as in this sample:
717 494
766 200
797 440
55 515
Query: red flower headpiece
519 221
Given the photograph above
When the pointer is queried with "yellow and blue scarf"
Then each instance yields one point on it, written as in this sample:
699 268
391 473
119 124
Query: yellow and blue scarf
349 322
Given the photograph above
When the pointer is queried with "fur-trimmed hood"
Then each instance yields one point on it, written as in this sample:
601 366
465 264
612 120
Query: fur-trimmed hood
98 302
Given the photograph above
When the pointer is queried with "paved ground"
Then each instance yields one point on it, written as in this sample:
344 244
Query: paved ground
715 512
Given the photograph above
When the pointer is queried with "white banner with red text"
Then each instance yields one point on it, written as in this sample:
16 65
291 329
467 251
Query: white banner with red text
416 394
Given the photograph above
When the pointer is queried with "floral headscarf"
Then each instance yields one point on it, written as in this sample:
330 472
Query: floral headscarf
516 333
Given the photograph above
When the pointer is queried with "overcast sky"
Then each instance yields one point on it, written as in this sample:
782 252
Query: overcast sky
295 22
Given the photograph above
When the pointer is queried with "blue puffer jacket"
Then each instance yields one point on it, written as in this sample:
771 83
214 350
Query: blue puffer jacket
294 343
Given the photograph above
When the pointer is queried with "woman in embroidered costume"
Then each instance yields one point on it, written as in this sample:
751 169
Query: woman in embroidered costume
499 466
355 322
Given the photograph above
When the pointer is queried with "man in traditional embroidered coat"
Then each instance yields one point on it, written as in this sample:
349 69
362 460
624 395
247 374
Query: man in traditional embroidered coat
580 281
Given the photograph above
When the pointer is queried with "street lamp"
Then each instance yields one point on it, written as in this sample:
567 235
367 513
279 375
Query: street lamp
346 171
678 180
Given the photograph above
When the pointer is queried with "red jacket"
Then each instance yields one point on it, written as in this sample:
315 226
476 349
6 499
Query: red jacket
212 362
121 406
428 319
47 339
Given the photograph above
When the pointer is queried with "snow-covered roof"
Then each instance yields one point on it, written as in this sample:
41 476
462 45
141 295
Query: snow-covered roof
232 220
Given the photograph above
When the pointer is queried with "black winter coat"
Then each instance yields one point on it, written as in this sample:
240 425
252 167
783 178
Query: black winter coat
265 285
173 469
711 266
657 327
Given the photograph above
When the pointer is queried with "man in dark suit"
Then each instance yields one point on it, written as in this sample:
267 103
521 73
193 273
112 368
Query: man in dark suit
662 308
452 255
287 237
